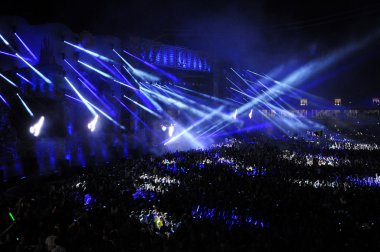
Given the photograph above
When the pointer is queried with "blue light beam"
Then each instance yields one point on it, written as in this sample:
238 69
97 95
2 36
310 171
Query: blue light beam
26 106
26 47
34 69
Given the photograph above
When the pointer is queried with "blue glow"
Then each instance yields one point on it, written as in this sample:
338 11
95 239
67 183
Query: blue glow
122 75
96 96
87 199
25 79
142 194
8 54
176 57
133 114
26 47
133 77
82 77
170 76
89 52
26 106
143 107
86 103
208 117
96 70
34 69
70 128
99 110
124 84
3 99
8 80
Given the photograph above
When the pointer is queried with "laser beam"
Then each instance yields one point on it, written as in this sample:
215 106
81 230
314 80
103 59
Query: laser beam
34 69
8 80
26 47
143 107
97 55
26 106
95 69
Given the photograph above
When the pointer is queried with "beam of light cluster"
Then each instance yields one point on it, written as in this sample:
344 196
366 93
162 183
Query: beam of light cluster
91 126
132 113
250 114
98 109
35 130
8 80
171 101
121 57
264 76
97 55
193 104
25 79
146 98
206 95
155 104
185 131
140 73
26 106
133 77
3 99
96 70
81 76
170 76
34 69
26 47
178 94
170 131
313 67
235 101
109 69
124 84
4 40
143 107
122 75
94 94
86 103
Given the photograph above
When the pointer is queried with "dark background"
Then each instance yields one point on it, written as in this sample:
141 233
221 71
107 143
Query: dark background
260 35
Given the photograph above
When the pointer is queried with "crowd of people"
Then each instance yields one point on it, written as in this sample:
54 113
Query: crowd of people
265 194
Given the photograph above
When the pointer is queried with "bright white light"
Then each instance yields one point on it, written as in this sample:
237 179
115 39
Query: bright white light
92 124
163 127
235 114
36 128
8 80
250 114
4 40
96 70
171 130
25 106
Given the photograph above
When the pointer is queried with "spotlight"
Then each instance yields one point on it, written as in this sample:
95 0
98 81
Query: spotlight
250 114
171 130
163 127
92 124
36 128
